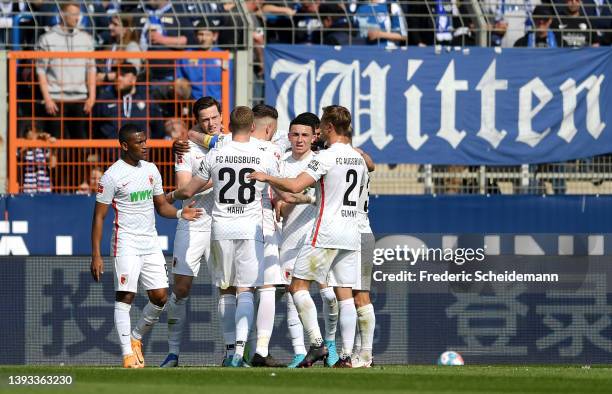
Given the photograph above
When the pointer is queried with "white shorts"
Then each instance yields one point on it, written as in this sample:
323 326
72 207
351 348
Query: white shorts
190 247
316 264
364 263
237 262
150 268
287 262
272 267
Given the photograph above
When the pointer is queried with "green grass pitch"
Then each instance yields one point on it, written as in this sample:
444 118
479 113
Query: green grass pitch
387 379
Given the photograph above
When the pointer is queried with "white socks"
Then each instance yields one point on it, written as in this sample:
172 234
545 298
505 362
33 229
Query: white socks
265 319
367 323
308 314
122 324
227 317
296 330
245 309
348 321
330 312
177 313
150 316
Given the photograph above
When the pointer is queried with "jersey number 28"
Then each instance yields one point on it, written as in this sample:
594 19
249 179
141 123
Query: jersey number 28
230 174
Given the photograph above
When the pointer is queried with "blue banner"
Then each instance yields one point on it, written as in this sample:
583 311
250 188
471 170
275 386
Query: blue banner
471 106
55 225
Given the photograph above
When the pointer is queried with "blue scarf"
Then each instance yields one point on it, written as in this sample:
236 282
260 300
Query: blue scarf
443 23
500 11
154 20
551 41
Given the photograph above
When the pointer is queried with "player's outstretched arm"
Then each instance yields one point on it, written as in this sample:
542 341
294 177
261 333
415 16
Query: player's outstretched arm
292 185
195 185
169 211
97 224
296 198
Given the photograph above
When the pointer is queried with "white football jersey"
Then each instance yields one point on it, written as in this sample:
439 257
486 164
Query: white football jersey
362 205
130 190
269 147
190 162
297 226
339 171
281 139
237 210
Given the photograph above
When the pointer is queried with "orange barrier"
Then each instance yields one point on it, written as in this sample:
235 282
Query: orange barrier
66 164
75 166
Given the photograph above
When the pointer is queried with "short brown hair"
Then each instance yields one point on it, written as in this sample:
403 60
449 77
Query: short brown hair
241 119
203 103
64 6
265 111
339 117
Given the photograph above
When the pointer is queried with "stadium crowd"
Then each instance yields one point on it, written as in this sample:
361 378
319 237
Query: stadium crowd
155 25
94 99
164 24
233 223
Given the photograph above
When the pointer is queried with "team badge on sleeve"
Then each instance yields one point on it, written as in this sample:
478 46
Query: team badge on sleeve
100 188
123 279
151 179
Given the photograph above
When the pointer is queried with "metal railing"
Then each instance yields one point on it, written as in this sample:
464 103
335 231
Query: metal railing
62 165
247 26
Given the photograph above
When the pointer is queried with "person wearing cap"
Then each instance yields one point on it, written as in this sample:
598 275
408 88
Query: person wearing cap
126 102
542 36
204 74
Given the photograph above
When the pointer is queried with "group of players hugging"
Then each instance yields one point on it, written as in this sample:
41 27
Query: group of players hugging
269 212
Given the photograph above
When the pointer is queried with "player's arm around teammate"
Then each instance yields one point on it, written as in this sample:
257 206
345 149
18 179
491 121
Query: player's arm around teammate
207 113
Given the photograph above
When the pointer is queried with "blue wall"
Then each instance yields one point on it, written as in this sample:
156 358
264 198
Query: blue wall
49 216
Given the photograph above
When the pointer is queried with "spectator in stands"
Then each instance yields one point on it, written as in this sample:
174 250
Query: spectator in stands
508 20
253 7
543 36
442 22
203 74
164 30
124 38
38 164
90 186
496 15
93 13
336 27
16 24
382 23
127 102
278 20
600 15
68 86
231 31
306 22
174 99
574 27
175 129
